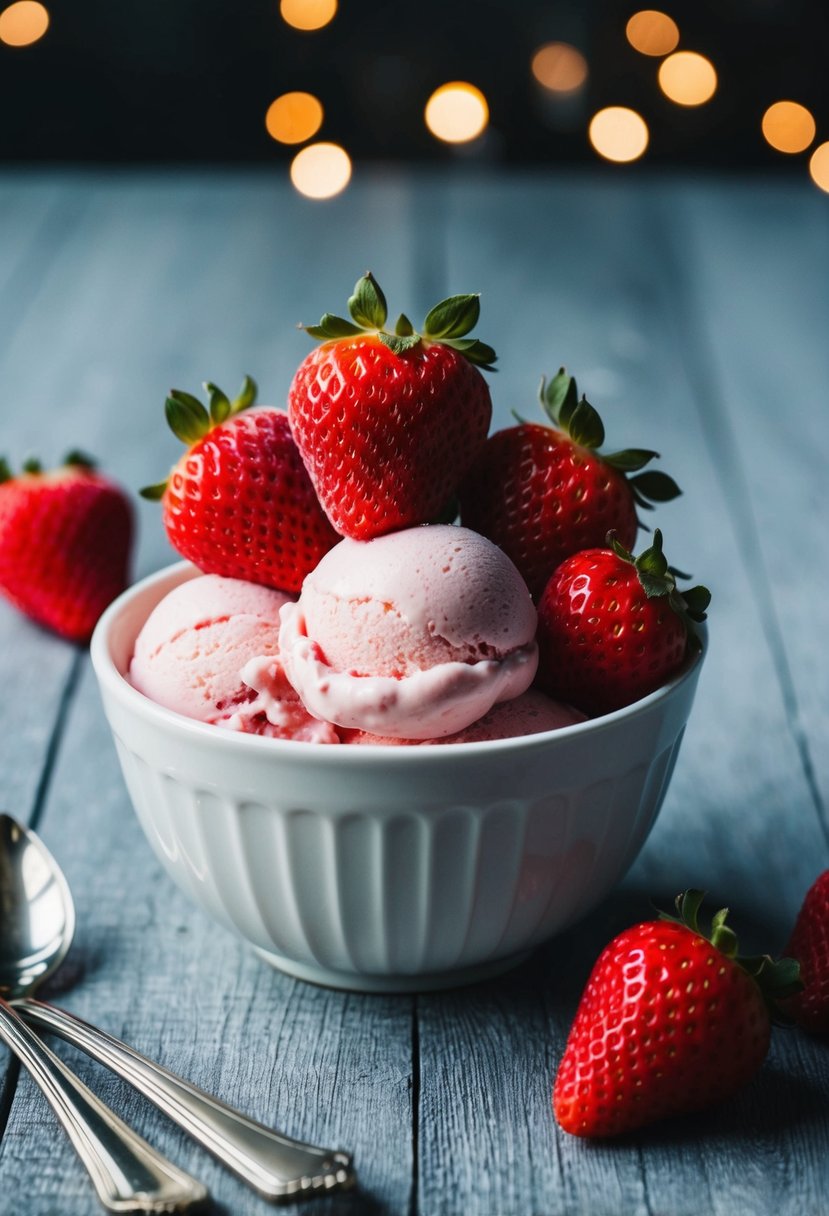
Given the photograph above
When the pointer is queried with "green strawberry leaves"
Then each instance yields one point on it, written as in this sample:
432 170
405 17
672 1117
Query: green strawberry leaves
453 317
658 579
777 979
190 420
582 423
448 323
368 304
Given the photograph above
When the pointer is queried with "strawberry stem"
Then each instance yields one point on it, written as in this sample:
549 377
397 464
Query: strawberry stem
777 979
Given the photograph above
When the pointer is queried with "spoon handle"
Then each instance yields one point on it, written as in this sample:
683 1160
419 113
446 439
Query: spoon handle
127 1173
274 1165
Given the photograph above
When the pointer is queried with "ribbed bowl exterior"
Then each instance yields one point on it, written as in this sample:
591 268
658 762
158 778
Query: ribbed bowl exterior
388 868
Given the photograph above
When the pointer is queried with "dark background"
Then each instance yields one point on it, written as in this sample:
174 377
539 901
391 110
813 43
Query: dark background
190 80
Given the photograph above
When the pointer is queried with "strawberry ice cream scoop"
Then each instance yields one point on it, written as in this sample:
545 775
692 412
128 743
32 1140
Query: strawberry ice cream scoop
530 714
412 635
194 645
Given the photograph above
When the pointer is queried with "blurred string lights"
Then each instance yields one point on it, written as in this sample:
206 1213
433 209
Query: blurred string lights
457 113
23 23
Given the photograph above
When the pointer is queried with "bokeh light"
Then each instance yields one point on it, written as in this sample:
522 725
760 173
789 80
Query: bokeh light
321 170
457 112
819 166
788 126
308 14
559 67
688 78
652 33
618 134
293 118
23 23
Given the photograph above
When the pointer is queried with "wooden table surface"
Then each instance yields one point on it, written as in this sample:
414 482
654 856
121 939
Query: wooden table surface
695 314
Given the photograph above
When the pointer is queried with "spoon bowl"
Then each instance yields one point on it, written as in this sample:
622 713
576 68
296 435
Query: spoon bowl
37 915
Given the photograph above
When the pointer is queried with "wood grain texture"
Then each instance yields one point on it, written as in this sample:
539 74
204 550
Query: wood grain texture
694 317
613 298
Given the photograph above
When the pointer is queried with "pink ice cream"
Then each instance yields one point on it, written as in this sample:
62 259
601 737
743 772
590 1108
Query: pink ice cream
190 654
413 635
529 714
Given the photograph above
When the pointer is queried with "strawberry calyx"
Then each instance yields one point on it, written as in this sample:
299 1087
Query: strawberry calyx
190 420
582 423
449 323
658 580
777 979
73 460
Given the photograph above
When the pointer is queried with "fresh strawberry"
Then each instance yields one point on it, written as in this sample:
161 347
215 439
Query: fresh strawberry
389 422
239 502
612 627
809 944
544 492
671 1021
65 542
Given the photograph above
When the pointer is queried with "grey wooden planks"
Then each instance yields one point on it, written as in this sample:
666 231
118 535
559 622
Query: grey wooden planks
171 282
157 280
589 273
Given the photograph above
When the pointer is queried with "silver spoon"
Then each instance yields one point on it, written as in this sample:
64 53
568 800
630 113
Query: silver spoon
30 927
37 920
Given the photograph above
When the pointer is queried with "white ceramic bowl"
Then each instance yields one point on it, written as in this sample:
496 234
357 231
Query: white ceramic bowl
388 869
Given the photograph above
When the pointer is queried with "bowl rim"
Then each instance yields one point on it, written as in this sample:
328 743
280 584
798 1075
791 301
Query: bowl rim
112 680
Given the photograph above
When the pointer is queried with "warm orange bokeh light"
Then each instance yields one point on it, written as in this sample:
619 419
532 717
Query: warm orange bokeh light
788 126
652 33
559 67
819 166
321 170
308 14
687 78
293 118
618 134
457 112
23 23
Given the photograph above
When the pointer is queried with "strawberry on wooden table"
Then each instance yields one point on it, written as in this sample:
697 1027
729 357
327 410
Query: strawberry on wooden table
239 502
389 421
542 492
613 627
809 944
671 1021
65 544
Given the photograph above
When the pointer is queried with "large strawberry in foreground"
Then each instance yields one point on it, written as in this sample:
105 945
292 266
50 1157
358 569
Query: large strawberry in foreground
239 502
613 627
388 422
809 944
671 1021
65 542
542 492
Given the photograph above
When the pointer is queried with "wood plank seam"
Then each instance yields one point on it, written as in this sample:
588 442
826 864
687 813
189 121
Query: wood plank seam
718 434
7 1092
55 739
415 1085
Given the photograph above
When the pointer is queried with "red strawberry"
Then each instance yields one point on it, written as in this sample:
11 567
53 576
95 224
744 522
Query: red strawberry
542 493
671 1021
388 423
239 502
809 944
612 627
65 541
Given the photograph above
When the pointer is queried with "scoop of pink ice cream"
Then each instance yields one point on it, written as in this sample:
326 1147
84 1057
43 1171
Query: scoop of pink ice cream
529 714
414 635
193 646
